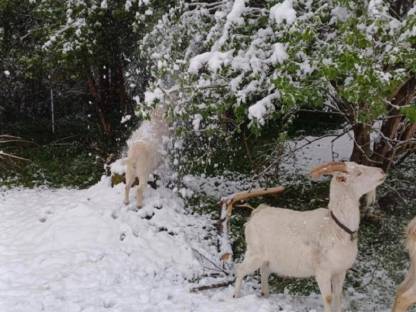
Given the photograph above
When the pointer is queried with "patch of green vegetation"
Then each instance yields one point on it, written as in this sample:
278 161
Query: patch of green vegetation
234 149
72 156
55 165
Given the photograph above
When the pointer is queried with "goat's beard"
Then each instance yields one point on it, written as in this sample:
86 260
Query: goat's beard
370 198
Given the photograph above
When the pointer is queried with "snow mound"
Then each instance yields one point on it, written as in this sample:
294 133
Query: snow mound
118 167
82 250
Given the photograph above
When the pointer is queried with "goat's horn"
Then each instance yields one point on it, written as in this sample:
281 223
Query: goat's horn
328 168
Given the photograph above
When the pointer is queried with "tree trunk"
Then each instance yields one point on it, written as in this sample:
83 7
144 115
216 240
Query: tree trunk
361 152
109 96
394 128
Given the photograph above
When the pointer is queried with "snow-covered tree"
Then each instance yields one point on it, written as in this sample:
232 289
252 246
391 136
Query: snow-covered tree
256 62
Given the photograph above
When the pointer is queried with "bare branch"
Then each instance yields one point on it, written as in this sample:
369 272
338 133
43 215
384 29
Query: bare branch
212 286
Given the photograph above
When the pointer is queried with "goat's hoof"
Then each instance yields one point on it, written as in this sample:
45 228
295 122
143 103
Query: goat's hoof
134 209
264 294
126 202
236 296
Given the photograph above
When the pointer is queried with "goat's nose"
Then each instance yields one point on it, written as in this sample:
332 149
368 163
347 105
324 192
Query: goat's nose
382 171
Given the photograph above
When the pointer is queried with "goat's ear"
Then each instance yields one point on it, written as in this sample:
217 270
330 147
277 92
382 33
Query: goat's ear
341 179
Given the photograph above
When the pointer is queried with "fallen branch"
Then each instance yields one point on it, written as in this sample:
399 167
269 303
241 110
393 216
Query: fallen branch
212 286
231 200
227 205
11 156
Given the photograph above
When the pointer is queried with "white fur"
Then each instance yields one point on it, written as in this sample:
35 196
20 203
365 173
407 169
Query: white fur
310 243
406 293
370 198
145 152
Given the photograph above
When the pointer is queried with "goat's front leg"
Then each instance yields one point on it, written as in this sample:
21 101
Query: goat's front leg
403 301
324 282
337 283
264 274
249 265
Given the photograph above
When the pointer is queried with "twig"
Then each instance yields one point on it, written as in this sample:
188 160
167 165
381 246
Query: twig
206 287
63 139
11 156
395 191
216 266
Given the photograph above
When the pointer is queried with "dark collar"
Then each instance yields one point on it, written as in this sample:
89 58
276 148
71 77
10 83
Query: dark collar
353 234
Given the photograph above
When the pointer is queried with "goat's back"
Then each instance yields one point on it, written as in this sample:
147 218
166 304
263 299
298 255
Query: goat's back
150 132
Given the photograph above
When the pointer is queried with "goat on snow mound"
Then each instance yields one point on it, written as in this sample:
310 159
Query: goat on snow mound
145 152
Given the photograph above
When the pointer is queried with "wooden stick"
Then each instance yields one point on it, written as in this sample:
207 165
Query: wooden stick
206 287
227 205
231 200
11 156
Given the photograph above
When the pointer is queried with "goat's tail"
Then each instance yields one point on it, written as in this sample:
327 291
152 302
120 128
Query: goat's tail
127 161
411 240
259 208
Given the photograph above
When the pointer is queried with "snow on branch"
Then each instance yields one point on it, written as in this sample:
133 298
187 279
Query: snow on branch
260 109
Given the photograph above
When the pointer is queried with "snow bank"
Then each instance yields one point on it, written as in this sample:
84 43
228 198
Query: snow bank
62 250
81 250
118 167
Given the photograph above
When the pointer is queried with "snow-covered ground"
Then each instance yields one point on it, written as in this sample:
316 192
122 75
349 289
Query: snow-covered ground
309 151
82 250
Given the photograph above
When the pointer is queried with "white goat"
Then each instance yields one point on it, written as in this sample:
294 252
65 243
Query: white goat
145 151
320 243
406 293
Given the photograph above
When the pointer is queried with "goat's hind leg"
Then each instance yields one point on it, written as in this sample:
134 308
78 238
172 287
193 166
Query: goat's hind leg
264 275
129 183
249 265
143 178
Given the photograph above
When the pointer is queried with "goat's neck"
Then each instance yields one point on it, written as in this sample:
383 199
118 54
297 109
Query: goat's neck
345 206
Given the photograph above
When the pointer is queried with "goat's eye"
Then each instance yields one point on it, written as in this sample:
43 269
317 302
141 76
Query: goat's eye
359 173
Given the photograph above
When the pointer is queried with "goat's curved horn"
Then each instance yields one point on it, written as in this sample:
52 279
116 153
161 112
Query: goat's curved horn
328 168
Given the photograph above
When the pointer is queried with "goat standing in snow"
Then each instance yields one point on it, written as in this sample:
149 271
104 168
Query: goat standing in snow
406 293
145 151
320 243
